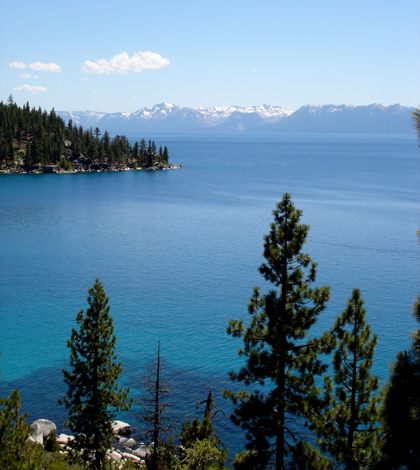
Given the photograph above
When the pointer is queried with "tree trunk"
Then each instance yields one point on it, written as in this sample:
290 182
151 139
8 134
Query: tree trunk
156 430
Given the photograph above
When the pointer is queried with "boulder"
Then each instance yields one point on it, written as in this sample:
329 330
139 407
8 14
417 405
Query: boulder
121 428
64 438
46 425
131 457
130 444
115 456
36 433
143 450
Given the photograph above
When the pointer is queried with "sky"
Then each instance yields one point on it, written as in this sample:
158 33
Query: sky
115 56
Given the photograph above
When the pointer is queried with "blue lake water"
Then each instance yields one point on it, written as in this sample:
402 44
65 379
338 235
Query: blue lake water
178 252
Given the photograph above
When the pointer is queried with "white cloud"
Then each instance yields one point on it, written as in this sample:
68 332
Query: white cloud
37 77
254 70
123 64
18 65
24 75
94 91
31 89
84 78
135 97
51 67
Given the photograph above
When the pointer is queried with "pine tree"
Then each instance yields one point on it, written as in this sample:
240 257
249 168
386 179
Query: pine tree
400 408
280 367
15 452
201 448
347 428
93 394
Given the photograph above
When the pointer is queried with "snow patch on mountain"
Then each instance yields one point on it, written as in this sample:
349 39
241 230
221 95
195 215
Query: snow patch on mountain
345 118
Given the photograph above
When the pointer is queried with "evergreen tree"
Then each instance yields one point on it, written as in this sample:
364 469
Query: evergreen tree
15 452
93 393
399 417
400 408
201 448
165 155
347 428
280 367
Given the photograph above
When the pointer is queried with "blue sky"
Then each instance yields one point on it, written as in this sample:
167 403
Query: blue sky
123 55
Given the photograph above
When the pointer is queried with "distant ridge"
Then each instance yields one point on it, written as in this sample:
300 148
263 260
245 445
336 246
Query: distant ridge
348 119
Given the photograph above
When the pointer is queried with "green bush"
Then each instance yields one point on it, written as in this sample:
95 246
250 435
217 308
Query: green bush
51 444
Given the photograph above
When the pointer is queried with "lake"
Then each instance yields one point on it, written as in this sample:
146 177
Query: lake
178 252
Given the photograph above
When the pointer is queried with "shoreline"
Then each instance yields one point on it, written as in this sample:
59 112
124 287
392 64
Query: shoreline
95 169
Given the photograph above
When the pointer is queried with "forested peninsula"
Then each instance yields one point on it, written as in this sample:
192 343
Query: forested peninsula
34 141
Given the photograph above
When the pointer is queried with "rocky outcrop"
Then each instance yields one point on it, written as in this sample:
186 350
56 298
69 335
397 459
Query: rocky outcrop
121 428
131 450
46 426
81 163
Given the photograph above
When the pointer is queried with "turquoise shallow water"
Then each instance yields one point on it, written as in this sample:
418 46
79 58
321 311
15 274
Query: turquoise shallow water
178 252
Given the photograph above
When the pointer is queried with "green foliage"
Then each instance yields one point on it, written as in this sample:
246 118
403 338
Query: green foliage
400 408
51 444
347 428
416 120
57 461
43 135
279 365
400 422
201 455
201 447
93 393
65 164
15 452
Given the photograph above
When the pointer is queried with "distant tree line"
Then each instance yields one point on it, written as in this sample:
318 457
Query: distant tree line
33 137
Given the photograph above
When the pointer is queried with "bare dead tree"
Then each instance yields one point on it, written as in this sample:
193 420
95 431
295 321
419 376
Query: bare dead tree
154 407
208 412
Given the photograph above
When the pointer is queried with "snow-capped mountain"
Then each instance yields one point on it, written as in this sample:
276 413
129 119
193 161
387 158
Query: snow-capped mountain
375 118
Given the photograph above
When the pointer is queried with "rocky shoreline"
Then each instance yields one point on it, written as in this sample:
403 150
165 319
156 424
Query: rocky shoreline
124 448
91 168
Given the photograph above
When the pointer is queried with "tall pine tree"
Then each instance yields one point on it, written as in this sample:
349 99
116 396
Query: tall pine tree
347 427
280 366
93 394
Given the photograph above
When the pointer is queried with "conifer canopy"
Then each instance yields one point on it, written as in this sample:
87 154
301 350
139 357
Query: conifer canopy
93 394
280 362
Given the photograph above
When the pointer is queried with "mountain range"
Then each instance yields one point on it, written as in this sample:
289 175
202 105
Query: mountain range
370 119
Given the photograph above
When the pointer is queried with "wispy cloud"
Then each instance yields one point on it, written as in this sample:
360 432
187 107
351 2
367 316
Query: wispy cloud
31 89
18 65
123 64
254 70
24 75
37 77
51 67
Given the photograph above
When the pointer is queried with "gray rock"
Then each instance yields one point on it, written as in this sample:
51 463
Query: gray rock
46 426
130 444
121 428
131 457
36 433
115 456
